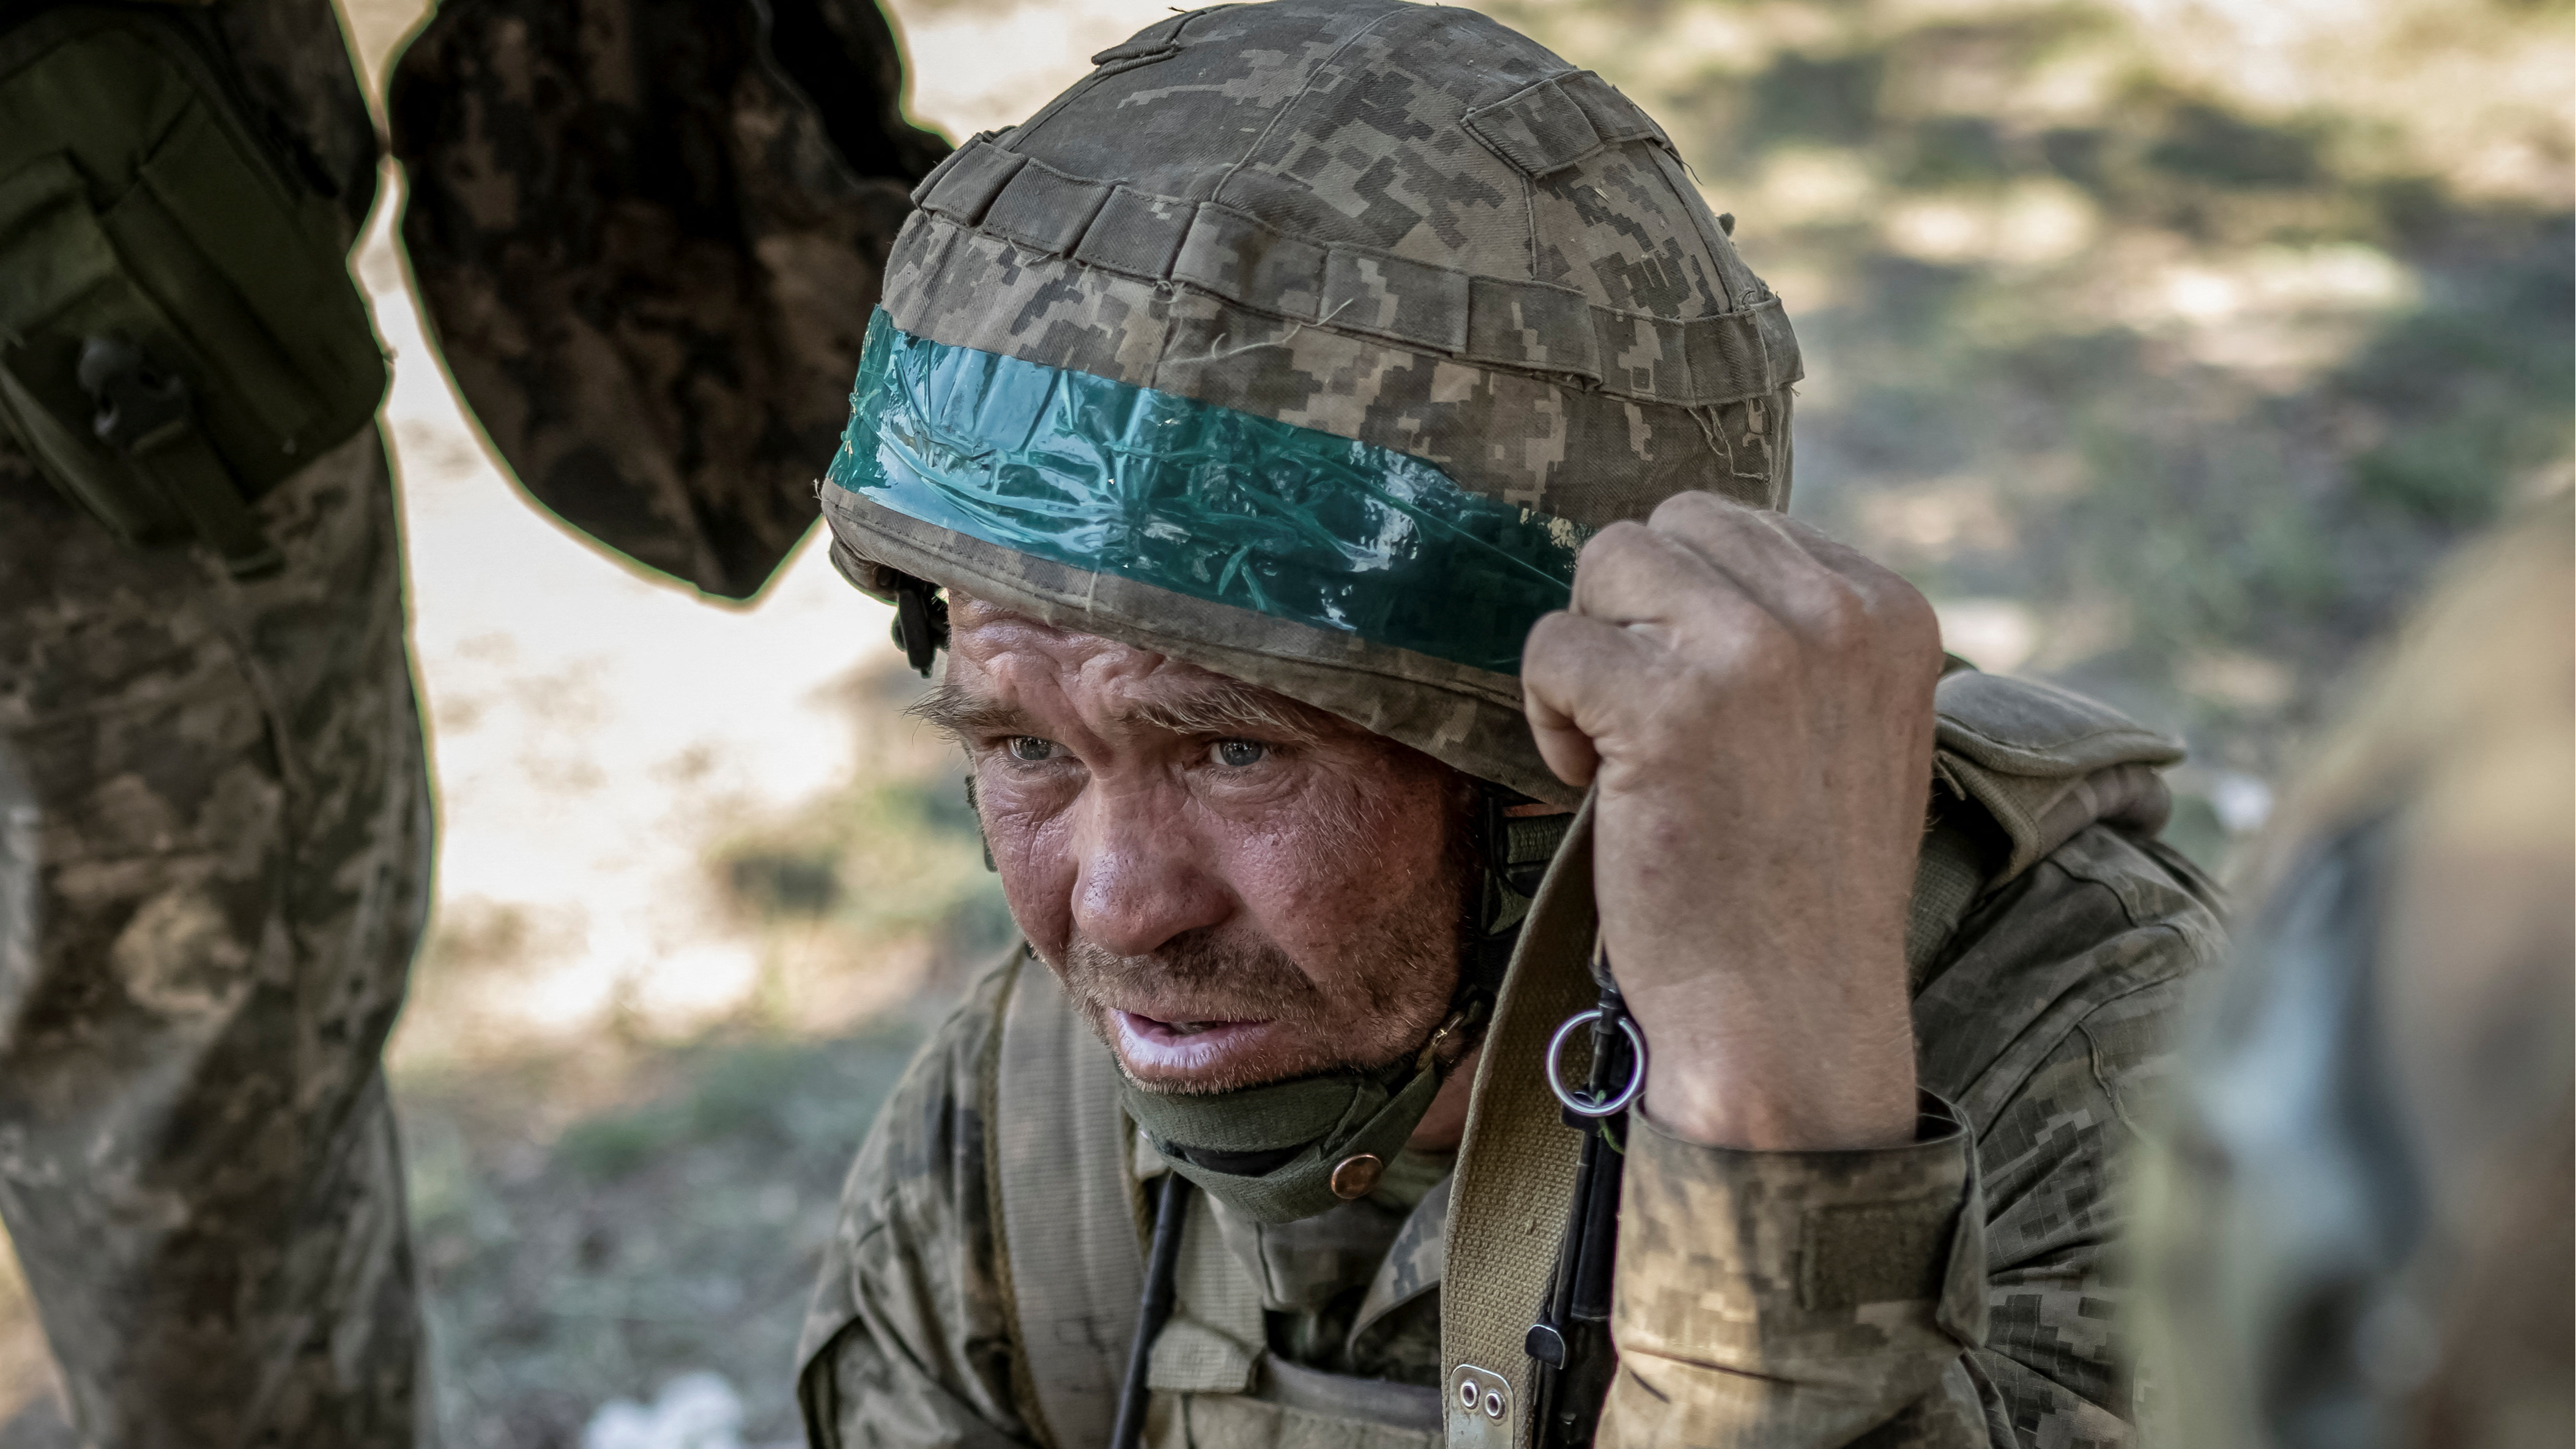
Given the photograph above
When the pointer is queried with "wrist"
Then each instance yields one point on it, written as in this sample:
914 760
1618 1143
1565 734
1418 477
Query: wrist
1731 1069
1701 1108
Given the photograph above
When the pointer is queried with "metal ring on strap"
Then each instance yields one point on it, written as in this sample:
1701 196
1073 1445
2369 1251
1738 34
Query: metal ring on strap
1585 1106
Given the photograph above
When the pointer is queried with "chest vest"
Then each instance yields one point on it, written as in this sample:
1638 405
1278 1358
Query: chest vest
2020 769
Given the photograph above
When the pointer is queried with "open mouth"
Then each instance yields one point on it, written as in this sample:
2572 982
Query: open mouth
1177 1050
1158 1027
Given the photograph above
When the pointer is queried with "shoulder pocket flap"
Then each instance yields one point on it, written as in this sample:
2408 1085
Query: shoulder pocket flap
2045 763
2020 727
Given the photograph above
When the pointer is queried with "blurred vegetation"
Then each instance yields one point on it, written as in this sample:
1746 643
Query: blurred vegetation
595 1218
2192 333
676 1231
898 856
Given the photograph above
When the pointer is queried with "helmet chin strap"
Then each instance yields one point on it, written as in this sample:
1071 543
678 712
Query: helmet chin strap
1288 1150
1283 1151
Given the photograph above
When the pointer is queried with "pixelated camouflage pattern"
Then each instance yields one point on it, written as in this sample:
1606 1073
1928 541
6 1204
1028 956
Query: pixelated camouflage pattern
1966 1294
214 826
1547 444
214 866
1398 223
1395 1332
1789 1297
2047 1025
214 862
1352 1291
648 236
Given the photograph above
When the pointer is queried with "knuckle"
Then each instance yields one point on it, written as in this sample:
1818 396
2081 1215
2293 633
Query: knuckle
1613 543
1838 619
1683 510
1762 652
1553 655
1808 535
1899 611
1911 605
1545 641
1917 625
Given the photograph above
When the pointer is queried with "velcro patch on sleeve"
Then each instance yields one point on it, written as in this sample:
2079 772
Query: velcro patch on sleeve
1859 1253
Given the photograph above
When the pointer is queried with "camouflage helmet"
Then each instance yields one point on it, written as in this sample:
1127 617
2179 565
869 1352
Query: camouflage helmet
1306 342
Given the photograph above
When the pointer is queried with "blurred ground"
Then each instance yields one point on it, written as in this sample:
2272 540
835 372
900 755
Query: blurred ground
2162 343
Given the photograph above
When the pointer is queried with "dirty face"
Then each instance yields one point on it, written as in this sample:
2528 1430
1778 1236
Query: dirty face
1236 888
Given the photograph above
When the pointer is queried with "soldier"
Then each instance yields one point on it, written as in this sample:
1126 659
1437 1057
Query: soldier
214 819
2355 1229
1253 406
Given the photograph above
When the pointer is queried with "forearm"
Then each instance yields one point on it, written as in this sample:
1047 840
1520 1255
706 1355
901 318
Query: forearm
1799 1078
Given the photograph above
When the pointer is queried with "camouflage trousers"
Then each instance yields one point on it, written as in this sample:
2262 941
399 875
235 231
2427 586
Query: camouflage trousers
214 867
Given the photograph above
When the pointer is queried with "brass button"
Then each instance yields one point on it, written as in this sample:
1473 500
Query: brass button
1355 1176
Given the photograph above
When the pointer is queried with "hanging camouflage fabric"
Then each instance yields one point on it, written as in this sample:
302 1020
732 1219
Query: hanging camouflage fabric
1307 342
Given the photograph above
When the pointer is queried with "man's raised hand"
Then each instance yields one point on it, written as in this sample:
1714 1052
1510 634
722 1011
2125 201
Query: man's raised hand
1753 703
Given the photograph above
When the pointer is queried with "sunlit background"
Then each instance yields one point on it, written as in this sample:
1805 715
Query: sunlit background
2162 342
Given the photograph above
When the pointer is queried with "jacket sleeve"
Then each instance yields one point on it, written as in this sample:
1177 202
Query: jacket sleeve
907 1342
1780 1299
1959 1290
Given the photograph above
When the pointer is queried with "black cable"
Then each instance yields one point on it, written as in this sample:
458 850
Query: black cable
1171 1207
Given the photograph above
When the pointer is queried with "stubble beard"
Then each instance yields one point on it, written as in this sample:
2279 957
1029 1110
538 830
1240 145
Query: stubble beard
1395 986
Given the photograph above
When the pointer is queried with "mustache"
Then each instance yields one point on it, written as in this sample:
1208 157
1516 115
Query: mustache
1197 976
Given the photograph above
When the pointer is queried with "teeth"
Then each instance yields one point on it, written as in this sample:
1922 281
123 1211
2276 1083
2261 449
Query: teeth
1181 1028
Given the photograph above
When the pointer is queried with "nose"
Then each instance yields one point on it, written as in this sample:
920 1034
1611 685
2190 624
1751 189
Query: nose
1143 876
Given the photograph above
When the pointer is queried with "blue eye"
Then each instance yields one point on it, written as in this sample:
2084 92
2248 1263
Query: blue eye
1238 753
1029 749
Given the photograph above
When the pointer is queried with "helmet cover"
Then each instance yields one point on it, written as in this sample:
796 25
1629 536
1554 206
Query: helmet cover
1306 342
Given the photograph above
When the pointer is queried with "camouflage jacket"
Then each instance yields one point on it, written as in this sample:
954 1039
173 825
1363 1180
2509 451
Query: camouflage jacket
1958 1290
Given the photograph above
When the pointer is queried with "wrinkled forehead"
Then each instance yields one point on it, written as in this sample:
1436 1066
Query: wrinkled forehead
1008 667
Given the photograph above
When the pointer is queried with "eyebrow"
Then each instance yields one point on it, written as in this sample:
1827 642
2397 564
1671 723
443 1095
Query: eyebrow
1211 707
966 717
1222 706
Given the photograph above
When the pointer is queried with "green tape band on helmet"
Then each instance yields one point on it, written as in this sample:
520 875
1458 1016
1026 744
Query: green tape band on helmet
1203 500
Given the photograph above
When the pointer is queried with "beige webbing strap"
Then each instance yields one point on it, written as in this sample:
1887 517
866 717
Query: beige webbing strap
1515 1173
1068 1213
1214 1340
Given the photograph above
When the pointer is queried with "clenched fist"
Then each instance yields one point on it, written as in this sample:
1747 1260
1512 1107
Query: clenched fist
1753 702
